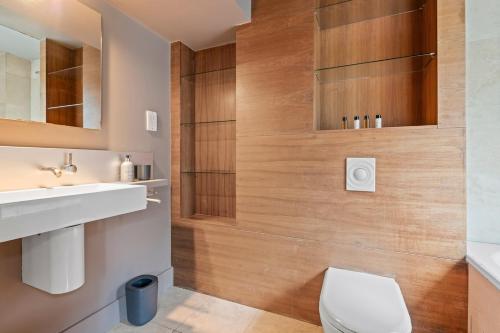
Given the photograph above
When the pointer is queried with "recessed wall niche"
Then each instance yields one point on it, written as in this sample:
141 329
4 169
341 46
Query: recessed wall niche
208 133
375 57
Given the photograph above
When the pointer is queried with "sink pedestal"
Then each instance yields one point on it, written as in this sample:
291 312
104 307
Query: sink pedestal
54 261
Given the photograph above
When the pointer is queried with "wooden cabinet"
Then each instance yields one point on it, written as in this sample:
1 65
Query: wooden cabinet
484 304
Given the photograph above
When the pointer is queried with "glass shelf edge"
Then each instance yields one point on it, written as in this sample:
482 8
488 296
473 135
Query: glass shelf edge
64 106
333 26
324 71
429 54
65 70
207 72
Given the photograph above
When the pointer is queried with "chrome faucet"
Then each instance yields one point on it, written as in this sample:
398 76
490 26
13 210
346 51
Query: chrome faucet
68 166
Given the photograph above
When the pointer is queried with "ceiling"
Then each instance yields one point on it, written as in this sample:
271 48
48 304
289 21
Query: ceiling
197 23
18 44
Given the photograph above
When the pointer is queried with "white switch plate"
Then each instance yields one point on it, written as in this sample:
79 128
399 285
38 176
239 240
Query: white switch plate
360 174
151 121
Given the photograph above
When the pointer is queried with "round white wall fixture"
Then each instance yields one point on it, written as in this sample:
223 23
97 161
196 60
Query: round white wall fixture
360 174
54 261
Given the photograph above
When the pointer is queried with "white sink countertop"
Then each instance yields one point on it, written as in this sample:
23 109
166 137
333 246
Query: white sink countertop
486 259
28 212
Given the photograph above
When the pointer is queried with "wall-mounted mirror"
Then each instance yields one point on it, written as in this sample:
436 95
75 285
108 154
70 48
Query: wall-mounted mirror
50 62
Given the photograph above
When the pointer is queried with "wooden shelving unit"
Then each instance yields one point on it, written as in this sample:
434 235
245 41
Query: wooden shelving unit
72 83
64 79
208 133
376 57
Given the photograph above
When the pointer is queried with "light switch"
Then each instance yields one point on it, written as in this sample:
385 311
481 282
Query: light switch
360 174
151 121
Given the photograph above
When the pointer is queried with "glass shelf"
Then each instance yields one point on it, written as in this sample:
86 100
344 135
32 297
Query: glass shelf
207 72
209 122
379 68
336 13
65 70
64 106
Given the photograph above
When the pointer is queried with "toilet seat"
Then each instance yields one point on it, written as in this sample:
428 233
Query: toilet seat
354 302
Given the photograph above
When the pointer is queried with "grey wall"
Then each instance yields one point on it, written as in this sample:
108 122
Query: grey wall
483 120
135 78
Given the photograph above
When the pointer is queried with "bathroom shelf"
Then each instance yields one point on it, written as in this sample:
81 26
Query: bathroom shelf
66 70
208 72
383 129
377 68
65 106
338 13
153 183
209 122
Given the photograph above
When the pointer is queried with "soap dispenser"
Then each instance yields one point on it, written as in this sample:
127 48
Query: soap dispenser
127 170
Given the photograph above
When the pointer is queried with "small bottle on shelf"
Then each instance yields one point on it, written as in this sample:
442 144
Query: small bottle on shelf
357 124
344 122
378 121
366 122
127 170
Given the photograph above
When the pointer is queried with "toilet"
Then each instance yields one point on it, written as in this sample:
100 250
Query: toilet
354 302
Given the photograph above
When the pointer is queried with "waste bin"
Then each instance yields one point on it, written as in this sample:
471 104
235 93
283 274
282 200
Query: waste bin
142 299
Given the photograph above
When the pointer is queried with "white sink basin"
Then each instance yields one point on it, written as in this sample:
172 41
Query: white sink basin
29 212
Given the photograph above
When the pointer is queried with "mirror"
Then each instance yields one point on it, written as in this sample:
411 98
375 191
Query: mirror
50 62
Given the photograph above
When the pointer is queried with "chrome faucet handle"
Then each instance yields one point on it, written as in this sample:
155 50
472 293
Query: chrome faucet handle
69 167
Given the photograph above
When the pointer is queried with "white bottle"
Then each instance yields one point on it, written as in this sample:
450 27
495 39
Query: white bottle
378 121
127 170
357 124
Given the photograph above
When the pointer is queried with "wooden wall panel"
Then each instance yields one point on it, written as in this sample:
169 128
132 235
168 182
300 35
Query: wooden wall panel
215 59
175 128
274 75
294 185
293 216
284 275
400 35
215 96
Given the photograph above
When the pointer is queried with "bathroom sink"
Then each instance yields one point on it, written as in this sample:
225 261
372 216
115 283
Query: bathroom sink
25 213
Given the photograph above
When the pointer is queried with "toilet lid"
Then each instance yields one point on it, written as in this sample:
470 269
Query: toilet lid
363 303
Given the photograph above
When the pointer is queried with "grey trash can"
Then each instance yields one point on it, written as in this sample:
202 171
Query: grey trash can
142 299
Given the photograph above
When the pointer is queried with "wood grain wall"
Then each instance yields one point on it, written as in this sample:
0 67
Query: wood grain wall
294 218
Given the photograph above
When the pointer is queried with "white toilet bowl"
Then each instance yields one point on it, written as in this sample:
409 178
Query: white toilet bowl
353 302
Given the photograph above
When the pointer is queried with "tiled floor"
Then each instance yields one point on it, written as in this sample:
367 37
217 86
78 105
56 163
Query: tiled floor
184 311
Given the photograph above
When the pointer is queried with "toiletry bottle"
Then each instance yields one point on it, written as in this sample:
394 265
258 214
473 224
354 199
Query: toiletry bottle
127 170
366 122
357 124
344 122
378 121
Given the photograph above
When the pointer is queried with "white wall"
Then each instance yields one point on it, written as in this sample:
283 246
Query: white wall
483 120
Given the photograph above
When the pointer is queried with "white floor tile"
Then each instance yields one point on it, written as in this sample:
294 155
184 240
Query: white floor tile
184 311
